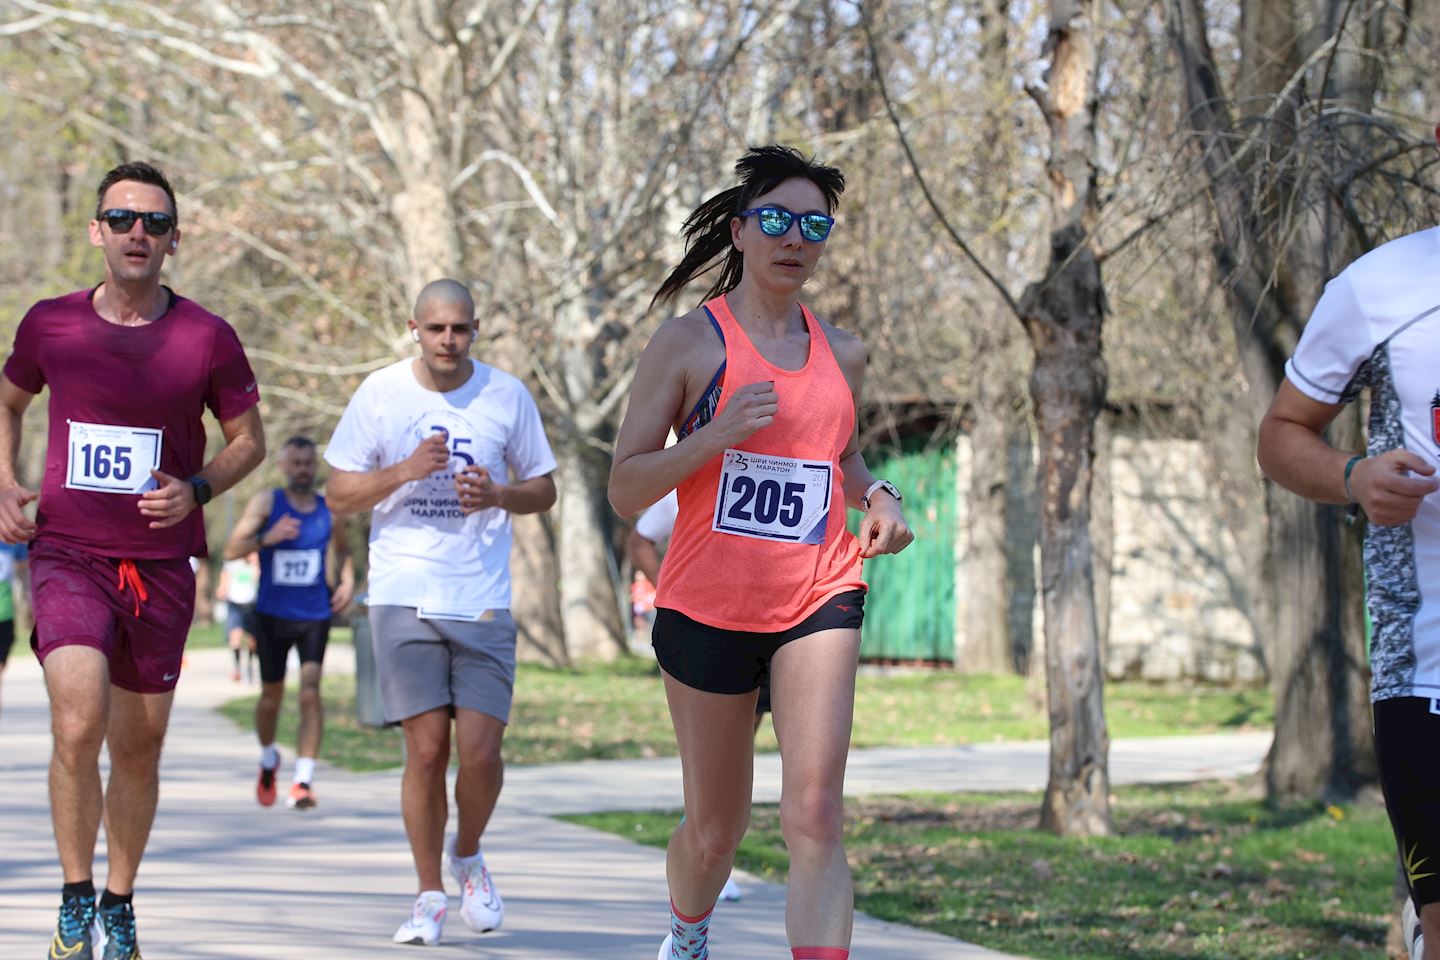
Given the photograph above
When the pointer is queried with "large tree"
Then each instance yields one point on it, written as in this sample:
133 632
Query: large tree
1062 314
1287 171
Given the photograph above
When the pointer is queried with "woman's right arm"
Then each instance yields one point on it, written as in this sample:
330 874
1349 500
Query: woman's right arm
644 469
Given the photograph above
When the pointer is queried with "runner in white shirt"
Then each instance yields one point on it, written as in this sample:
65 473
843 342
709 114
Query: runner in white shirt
1378 327
444 449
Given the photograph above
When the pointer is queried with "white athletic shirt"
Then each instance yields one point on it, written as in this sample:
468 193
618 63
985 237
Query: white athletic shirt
657 522
1378 326
424 552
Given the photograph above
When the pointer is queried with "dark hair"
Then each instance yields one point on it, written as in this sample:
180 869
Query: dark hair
707 230
300 441
139 172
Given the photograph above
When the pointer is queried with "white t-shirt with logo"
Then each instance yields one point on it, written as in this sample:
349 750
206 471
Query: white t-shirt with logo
424 552
1377 327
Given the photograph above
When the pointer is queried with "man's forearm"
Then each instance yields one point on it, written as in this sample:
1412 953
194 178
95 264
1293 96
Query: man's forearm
348 492
1302 462
10 422
535 495
241 454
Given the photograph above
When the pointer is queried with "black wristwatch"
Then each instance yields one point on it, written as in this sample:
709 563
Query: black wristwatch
201 486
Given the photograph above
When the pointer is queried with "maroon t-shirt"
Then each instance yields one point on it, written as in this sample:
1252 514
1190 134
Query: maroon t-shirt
159 376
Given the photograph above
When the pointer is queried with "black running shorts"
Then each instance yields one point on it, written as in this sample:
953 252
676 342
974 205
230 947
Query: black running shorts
1406 731
7 636
274 636
737 661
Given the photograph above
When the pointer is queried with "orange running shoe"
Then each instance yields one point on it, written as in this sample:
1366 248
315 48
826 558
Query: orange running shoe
265 786
301 797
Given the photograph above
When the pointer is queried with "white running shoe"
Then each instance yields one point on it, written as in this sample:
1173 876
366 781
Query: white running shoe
732 890
1410 927
426 921
480 905
665 948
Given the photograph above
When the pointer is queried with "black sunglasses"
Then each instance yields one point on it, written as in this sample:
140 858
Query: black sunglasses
775 221
156 224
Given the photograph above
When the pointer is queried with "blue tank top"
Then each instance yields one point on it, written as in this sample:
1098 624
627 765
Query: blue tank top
292 574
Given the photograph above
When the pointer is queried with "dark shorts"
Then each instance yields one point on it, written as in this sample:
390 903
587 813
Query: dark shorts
1406 730
241 616
736 661
274 636
7 639
79 601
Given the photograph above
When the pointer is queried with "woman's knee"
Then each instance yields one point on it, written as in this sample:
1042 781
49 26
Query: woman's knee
717 838
813 815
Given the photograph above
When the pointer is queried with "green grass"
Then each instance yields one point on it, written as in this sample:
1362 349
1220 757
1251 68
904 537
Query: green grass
1197 871
206 636
613 711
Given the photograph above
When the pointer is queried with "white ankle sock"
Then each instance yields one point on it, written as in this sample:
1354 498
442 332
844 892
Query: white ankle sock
269 756
304 769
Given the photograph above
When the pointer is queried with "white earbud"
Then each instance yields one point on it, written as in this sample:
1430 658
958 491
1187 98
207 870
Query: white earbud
415 335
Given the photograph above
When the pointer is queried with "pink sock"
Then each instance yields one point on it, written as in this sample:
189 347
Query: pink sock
819 953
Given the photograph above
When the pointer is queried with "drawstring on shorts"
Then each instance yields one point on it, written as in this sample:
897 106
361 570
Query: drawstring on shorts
130 577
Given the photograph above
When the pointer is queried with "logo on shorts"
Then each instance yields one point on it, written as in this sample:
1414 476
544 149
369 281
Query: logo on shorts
168 677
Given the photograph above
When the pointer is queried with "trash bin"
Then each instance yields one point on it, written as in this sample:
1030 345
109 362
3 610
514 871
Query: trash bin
367 679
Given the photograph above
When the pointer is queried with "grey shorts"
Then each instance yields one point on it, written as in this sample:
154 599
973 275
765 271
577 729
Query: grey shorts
427 664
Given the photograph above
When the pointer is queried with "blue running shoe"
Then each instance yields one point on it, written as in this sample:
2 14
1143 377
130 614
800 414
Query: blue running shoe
75 932
118 932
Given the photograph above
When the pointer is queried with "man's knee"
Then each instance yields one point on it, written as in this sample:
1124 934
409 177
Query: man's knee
78 735
309 695
272 694
427 754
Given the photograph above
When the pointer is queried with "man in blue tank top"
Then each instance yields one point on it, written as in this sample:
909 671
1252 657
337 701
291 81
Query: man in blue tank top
291 527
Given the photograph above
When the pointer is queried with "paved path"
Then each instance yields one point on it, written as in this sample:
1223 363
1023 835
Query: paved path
224 878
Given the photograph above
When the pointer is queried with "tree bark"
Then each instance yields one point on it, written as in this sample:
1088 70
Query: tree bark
1063 314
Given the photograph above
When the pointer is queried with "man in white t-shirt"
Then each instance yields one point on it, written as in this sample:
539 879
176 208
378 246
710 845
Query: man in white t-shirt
1377 327
444 449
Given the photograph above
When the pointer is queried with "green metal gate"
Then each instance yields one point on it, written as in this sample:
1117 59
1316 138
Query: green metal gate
910 612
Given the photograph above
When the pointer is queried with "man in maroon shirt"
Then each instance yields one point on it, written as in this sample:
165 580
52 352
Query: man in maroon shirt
131 368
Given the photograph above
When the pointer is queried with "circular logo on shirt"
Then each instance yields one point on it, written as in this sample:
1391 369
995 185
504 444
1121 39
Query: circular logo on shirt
433 498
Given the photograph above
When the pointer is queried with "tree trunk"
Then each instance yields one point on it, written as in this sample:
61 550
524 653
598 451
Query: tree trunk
1102 530
1320 748
588 602
1063 314
1067 386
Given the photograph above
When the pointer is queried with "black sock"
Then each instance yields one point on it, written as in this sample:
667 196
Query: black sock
84 888
108 899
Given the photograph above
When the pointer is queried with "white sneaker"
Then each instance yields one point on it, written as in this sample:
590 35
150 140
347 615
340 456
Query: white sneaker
732 890
427 919
480 905
1410 927
665 948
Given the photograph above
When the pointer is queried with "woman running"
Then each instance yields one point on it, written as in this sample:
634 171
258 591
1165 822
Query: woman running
761 572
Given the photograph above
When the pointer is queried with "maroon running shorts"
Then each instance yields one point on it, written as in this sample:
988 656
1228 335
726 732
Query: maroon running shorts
137 612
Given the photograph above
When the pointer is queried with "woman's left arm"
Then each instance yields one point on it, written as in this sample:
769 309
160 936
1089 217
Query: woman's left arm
884 529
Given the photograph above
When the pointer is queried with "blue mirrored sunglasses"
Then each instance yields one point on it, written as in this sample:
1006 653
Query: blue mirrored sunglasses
775 221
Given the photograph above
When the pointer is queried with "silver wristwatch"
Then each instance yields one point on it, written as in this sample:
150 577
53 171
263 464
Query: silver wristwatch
885 485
